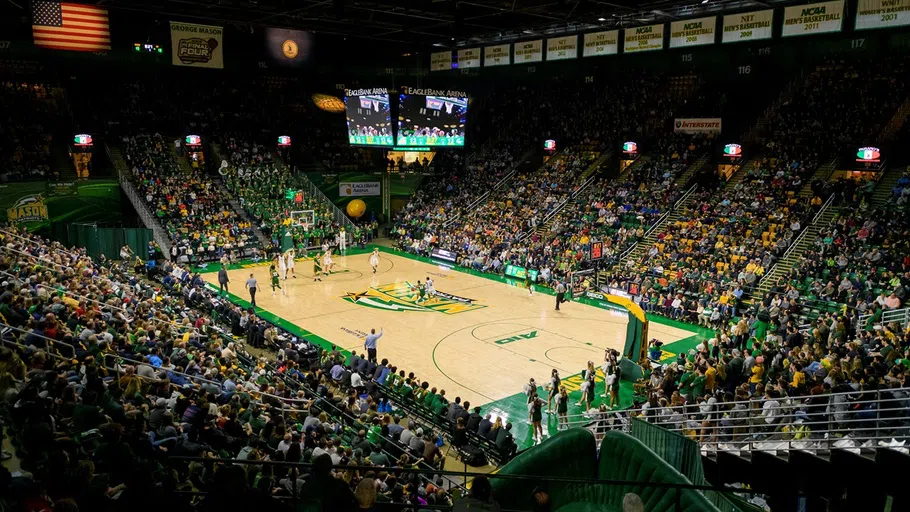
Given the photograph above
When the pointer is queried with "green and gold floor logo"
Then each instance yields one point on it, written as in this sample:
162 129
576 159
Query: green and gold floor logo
404 297
28 209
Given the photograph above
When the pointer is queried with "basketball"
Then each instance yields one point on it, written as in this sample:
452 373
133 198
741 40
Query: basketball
356 208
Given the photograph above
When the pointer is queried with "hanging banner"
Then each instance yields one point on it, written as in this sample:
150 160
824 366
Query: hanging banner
882 14
685 33
820 18
499 55
601 43
198 46
643 39
469 58
529 51
562 48
440 61
697 125
748 26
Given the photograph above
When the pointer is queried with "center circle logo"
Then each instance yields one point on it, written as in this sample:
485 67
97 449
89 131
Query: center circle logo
289 48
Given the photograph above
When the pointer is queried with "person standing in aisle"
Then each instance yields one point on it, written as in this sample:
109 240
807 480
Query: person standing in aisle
560 294
370 344
253 287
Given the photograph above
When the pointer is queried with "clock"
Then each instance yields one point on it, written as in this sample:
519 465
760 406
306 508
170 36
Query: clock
289 48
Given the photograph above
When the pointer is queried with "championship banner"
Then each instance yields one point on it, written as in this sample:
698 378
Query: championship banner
358 188
197 46
820 18
499 55
286 47
882 14
561 48
469 58
697 125
529 51
601 43
695 32
440 61
748 26
643 39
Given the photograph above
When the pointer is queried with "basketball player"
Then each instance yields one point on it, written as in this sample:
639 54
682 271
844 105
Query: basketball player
290 255
431 288
374 260
421 290
282 268
327 262
317 269
275 275
342 241
530 286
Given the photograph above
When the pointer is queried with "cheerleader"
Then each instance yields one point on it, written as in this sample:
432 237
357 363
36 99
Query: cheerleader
553 388
290 255
374 260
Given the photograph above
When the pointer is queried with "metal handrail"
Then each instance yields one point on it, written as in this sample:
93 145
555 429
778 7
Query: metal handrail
901 316
659 222
508 177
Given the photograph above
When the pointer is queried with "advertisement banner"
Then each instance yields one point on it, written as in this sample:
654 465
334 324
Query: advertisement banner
469 58
695 32
442 254
499 55
882 14
820 18
440 61
358 188
697 125
38 204
198 46
288 48
601 43
520 272
529 51
561 48
748 26
62 188
643 39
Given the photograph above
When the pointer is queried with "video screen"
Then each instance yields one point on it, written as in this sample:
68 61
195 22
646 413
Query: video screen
428 117
368 116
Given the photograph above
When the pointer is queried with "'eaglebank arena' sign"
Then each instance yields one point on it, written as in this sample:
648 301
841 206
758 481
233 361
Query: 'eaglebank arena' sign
358 188
692 32
820 18
469 58
882 13
601 43
498 55
560 48
529 51
448 93
748 26
440 61
697 125
642 39
198 46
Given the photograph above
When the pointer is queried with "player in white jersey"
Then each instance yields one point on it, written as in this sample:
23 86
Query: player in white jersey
374 260
327 262
342 241
282 268
289 256
431 290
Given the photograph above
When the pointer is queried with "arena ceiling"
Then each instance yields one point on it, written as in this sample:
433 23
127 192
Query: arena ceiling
441 23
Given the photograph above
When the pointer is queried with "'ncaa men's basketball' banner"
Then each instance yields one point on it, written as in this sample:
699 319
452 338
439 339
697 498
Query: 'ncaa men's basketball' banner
198 46
358 188
561 48
697 125
882 13
469 58
692 32
529 51
748 26
286 47
820 18
601 43
642 39
440 61
499 55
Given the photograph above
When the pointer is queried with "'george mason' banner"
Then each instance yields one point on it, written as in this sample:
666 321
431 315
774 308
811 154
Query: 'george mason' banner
882 13
198 46
820 18
469 58
561 48
440 61
642 39
601 43
748 26
529 51
695 32
499 55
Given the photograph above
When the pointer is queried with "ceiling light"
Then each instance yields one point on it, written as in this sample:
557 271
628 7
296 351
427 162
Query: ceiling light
601 19
705 1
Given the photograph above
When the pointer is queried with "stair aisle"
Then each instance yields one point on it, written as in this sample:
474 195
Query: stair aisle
882 193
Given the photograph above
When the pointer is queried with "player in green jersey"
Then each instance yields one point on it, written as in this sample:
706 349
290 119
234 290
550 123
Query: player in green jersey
273 272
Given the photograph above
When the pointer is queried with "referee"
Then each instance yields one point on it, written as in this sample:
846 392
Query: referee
560 294
253 286
370 344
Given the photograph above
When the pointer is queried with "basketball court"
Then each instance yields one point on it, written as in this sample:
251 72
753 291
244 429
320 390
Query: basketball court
481 337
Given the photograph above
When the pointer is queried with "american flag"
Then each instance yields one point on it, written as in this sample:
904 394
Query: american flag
66 26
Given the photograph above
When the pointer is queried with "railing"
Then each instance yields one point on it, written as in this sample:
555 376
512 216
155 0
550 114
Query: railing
625 254
485 195
900 316
769 275
853 421
337 215
150 221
